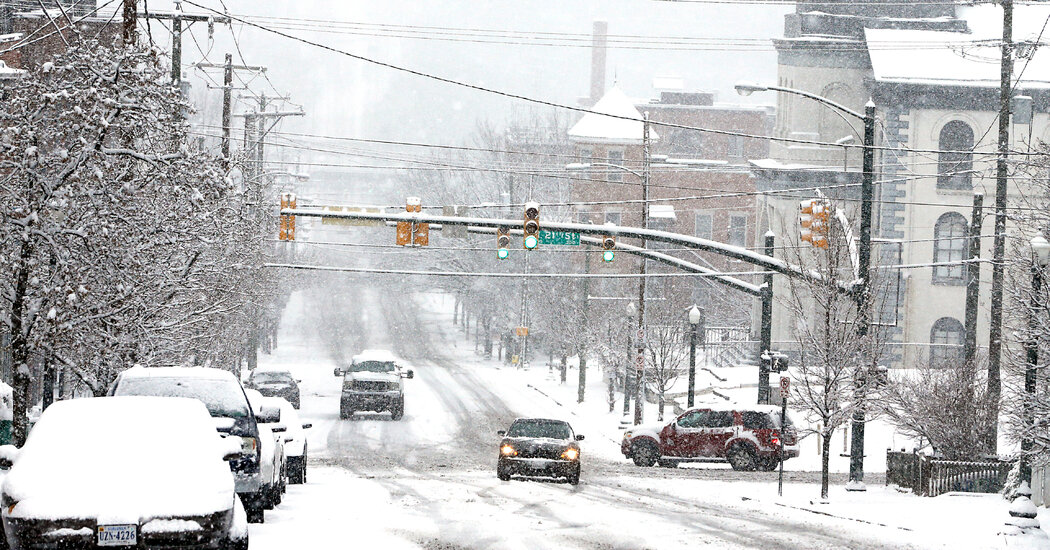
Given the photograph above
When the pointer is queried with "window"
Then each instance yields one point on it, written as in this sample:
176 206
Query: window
704 226
736 147
720 419
613 217
685 143
946 338
616 159
949 245
738 230
694 419
584 155
955 164
754 420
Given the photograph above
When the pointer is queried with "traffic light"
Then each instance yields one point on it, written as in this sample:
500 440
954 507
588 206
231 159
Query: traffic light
813 219
608 247
502 242
286 229
532 225
416 233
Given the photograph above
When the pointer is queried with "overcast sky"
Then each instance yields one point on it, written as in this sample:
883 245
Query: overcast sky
348 97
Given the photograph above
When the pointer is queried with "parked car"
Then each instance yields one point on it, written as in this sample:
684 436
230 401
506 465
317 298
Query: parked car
539 447
146 472
749 437
271 441
295 446
374 382
275 383
225 399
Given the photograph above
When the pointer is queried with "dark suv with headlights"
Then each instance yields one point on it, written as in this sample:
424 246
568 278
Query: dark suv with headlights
374 382
275 383
539 447
228 405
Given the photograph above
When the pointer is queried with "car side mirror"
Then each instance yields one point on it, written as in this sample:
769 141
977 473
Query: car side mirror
307 425
298 381
289 439
268 415
280 428
409 373
579 437
501 433
8 455
338 371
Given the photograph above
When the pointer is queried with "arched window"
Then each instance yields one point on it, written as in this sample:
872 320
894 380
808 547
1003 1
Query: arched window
949 245
955 163
946 340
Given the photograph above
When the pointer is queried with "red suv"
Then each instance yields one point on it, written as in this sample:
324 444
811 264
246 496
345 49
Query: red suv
748 437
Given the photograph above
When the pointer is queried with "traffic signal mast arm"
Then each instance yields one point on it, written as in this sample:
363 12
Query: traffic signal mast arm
735 252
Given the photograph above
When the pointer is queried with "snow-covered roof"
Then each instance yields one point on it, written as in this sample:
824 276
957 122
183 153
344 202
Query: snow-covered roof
941 58
8 72
379 355
594 127
178 372
774 164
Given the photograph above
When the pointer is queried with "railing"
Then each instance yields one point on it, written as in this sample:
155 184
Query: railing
927 476
731 346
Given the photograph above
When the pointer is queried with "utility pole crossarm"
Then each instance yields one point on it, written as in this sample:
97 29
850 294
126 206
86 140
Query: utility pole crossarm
253 68
170 16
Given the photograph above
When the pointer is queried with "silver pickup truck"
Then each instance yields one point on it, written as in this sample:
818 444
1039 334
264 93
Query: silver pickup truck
374 382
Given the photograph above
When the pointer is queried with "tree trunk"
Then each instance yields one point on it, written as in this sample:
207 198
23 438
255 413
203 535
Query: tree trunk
825 457
583 378
21 377
564 367
660 406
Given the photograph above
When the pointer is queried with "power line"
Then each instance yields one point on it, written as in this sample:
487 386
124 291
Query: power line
370 270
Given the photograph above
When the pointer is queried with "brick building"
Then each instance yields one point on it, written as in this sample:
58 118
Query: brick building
30 35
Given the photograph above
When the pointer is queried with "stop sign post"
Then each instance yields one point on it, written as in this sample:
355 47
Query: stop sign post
785 390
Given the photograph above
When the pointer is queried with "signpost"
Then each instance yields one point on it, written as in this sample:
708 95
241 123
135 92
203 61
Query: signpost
325 220
521 331
564 238
785 390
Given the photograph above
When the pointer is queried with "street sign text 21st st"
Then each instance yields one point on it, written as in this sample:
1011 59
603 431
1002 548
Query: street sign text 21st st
566 238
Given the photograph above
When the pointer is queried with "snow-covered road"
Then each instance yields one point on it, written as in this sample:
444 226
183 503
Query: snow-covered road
429 481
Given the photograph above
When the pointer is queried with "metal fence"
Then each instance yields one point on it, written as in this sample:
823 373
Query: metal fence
927 476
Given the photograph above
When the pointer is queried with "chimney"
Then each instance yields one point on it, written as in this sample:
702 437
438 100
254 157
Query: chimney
598 49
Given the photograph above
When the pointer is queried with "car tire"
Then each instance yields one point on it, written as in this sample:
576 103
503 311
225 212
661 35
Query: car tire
236 544
397 412
574 477
255 515
502 473
768 464
741 458
664 463
644 454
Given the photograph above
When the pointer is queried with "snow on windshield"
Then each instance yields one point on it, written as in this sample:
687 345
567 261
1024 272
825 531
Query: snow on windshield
373 366
273 376
222 397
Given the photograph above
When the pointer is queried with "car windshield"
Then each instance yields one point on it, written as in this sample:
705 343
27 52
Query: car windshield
532 428
223 398
265 377
373 366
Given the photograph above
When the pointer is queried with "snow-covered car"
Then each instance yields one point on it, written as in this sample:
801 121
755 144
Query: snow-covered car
275 383
295 446
225 399
271 441
374 382
539 447
749 437
143 472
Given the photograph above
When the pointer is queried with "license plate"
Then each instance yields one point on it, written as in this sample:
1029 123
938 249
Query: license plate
117 535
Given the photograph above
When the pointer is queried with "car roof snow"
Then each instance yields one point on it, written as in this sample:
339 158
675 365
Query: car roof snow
178 372
381 355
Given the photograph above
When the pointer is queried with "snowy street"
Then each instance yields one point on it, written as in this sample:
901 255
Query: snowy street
429 480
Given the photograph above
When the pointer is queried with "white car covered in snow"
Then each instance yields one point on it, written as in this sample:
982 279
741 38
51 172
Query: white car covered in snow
295 447
273 465
143 472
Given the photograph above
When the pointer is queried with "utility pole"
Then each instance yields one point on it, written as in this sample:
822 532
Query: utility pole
995 329
766 328
973 278
586 283
128 34
639 379
863 295
176 18
227 97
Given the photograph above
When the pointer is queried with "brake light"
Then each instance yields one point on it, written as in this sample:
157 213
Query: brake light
774 440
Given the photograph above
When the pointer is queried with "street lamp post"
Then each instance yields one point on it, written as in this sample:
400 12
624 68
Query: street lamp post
863 288
1040 259
631 310
695 315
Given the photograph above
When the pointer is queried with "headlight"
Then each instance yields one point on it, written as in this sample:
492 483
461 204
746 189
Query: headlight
248 445
570 454
508 450
627 435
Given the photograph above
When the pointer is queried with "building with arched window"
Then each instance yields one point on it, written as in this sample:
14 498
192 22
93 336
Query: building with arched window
955 159
946 342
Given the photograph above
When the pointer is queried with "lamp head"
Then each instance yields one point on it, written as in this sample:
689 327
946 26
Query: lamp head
694 315
631 308
748 88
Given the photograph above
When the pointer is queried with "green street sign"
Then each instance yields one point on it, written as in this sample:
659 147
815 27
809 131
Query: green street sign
559 238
